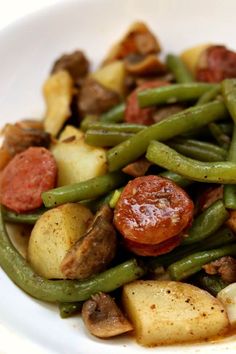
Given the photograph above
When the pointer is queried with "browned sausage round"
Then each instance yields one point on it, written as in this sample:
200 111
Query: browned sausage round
135 114
153 250
25 177
152 209
216 64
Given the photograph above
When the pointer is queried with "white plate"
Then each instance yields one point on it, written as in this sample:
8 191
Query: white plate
28 50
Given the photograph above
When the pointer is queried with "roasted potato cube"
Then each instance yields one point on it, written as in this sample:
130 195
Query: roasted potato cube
76 160
191 56
111 76
167 312
53 235
58 93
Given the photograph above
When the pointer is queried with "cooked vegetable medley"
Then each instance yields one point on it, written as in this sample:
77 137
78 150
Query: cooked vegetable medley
127 189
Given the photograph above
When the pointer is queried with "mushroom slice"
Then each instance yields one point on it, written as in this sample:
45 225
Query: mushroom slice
94 251
103 318
144 65
166 111
76 64
137 168
224 266
19 136
138 40
95 98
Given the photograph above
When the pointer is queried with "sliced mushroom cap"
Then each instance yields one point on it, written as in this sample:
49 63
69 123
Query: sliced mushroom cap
21 135
75 63
103 318
95 98
144 65
166 111
224 266
137 168
94 251
138 40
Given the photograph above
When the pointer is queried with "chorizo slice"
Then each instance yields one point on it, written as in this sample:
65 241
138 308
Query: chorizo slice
153 250
26 177
135 114
216 63
152 209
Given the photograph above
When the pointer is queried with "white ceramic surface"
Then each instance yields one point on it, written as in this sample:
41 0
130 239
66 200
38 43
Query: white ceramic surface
28 49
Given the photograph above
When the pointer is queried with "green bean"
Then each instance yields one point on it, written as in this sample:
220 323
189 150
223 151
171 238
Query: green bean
95 205
67 309
178 69
193 263
172 93
220 238
208 222
87 121
230 190
230 196
19 271
105 138
211 283
181 181
221 138
199 150
209 96
229 93
31 218
115 115
90 189
114 199
182 122
209 172
113 127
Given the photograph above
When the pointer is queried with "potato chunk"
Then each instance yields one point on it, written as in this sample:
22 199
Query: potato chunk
76 160
53 235
191 56
167 312
111 76
228 297
58 92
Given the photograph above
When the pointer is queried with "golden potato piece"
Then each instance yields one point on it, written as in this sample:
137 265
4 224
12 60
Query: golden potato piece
111 76
191 56
76 160
58 92
168 312
53 235
228 297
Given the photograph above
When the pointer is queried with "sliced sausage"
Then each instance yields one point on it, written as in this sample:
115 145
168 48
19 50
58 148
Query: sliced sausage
216 64
152 209
135 114
25 177
142 249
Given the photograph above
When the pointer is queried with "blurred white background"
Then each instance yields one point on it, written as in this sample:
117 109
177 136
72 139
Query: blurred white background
11 10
